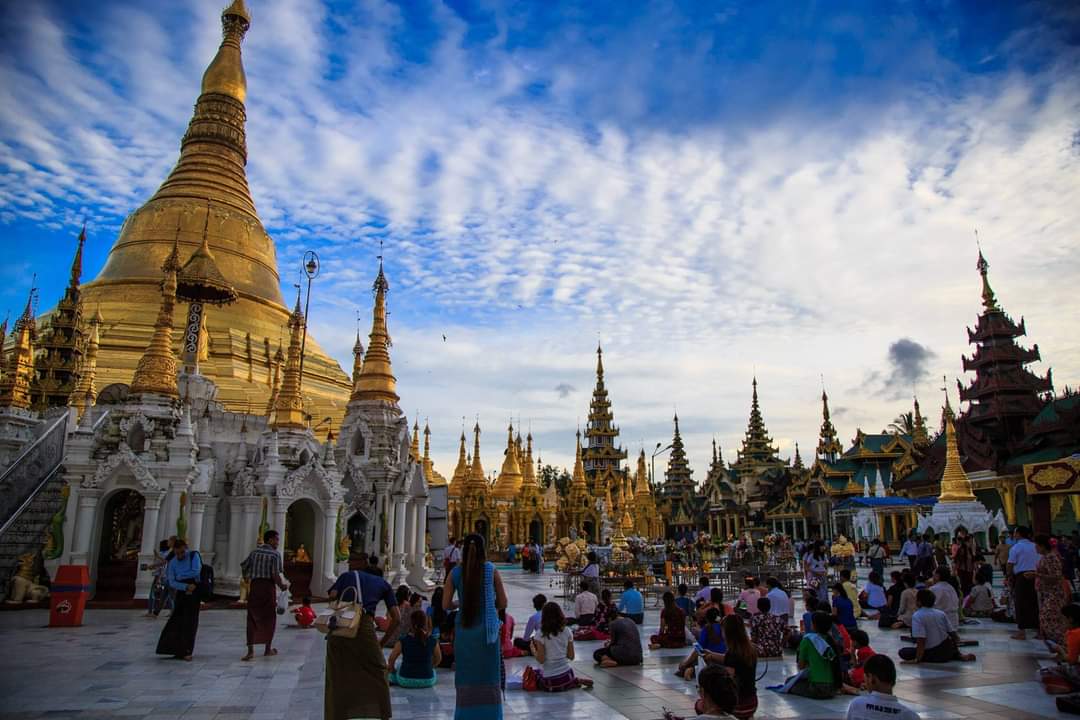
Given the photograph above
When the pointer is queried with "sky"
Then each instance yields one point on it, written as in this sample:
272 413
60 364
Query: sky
713 190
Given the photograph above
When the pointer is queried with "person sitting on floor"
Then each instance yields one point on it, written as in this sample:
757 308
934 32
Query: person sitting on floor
740 660
704 590
305 614
685 603
872 599
532 625
631 603
779 600
908 602
716 600
945 597
767 630
419 653
554 649
506 637
979 603
718 694
710 638
672 626
863 652
624 647
851 591
820 676
584 607
606 612
880 703
842 609
934 640
747 602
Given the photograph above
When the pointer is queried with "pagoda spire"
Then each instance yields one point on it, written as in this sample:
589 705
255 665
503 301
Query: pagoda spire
460 478
156 371
797 464
275 385
642 476
61 344
829 447
358 360
83 395
476 472
76 262
955 484
988 298
919 436
289 404
510 478
602 456
528 472
377 381
757 446
414 446
678 475
15 385
578 480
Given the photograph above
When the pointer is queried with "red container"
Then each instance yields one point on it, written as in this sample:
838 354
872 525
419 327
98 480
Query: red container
68 595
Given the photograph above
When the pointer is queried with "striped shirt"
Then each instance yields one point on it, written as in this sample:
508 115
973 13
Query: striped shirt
264 562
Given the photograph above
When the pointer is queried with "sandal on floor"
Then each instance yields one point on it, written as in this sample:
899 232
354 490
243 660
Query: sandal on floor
249 656
270 653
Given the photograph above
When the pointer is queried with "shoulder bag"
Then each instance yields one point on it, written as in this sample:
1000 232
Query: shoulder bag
342 619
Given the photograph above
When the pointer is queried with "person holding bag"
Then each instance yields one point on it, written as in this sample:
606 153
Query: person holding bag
264 569
183 575
356 679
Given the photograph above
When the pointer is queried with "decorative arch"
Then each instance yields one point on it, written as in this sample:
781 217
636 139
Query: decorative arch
294 486
123 457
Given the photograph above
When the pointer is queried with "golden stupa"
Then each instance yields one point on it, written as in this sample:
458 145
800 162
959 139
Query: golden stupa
207 192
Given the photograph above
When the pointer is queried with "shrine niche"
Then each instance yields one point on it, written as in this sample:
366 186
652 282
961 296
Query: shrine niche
120 541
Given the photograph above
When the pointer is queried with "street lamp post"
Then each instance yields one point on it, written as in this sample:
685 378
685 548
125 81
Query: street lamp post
311 269
652 461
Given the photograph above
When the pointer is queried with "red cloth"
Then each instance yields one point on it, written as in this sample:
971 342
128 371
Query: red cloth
861 656
261 612
305 616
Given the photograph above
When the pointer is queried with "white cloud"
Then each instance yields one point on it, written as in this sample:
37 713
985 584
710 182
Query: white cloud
801 247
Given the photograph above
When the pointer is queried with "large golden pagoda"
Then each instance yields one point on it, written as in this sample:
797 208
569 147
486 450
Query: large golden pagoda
209 177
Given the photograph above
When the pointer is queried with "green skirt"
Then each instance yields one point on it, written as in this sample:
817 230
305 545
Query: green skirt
356 685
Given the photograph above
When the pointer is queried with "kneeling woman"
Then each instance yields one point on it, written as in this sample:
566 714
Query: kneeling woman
419 652
554 648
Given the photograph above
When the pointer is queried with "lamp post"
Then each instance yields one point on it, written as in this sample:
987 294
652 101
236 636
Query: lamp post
311 269
652 461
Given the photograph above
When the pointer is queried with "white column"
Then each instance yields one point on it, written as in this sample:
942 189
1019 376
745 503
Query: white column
410 532
84 525
236 531
209 530
329 550
391 517
397 559
148 551
279 509
418 570
195 523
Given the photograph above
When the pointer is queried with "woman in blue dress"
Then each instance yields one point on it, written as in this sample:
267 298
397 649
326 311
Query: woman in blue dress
476 634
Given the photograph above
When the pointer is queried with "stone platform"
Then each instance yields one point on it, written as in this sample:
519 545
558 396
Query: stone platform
107 669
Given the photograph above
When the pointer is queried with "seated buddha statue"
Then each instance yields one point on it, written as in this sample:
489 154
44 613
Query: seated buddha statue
301 555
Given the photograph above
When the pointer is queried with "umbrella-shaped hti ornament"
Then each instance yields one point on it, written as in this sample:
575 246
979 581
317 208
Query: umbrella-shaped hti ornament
200 283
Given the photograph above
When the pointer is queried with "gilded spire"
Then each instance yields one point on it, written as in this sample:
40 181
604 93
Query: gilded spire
377 380
289 404
510 479
642 476
919 436
76 263
955 485
988 299
358 360
477 476
15 385
156 371
275 386
433 478
528 472
579 469
414 447
797 464
600 363
225 74
829 447
460 478
86 390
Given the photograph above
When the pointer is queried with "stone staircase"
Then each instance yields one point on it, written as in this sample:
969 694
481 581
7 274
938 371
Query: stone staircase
26 533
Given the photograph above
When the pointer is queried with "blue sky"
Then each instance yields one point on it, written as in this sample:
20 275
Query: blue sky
710 188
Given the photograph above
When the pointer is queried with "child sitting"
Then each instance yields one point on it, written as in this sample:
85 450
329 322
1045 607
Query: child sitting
863 652
305 614
980 600
685 603
880 703
554 648
872 599
843 611
419 652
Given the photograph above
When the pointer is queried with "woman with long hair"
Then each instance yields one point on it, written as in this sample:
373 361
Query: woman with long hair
741 660
710 639
817 567
1050 585
672 626
419 653
476 632
553 647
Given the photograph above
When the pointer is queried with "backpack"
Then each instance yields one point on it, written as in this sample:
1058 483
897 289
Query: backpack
205 591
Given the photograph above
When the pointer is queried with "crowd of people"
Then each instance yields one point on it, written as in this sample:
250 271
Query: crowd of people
942 588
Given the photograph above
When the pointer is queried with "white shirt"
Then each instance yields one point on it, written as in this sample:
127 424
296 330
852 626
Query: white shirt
878 706
585 603
778 600
1023 556
555 661
455 554
931 625
946 601
910 548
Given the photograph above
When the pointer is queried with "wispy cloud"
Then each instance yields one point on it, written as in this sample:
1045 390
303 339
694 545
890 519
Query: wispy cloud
707 200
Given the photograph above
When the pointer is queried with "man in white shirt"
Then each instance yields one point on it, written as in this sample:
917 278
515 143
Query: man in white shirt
945 597
585 606
1023 558
910 550
880 677
933 636
778 599
702 595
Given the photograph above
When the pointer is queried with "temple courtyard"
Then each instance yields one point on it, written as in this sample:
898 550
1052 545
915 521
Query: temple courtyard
107 669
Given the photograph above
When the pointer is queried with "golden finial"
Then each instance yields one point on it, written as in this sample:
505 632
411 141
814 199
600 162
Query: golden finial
955 484
377 381
477 476
510 477
579 468
156 371
289 403
225 74
988 299
414 446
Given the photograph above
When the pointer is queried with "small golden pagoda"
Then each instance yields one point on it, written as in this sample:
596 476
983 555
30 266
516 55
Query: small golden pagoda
211 167
289 405
19 368
955 485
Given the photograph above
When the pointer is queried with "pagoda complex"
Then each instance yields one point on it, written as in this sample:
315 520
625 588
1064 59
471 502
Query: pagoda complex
206 190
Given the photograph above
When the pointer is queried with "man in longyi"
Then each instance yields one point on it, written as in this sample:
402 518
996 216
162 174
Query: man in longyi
263 567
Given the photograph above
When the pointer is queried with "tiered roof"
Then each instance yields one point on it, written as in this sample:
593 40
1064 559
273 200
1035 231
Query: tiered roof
61 345
601 453
757 450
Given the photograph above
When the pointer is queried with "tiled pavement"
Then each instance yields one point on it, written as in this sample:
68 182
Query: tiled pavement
107 669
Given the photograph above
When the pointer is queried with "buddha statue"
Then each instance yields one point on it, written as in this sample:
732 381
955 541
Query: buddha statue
301 555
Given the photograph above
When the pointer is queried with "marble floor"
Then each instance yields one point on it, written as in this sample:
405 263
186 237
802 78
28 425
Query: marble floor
107 669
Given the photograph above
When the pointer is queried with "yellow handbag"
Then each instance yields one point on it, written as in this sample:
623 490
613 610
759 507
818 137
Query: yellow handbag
342 619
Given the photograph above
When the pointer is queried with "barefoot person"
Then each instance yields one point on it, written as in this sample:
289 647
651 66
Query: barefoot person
934 640
182 575
263 567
